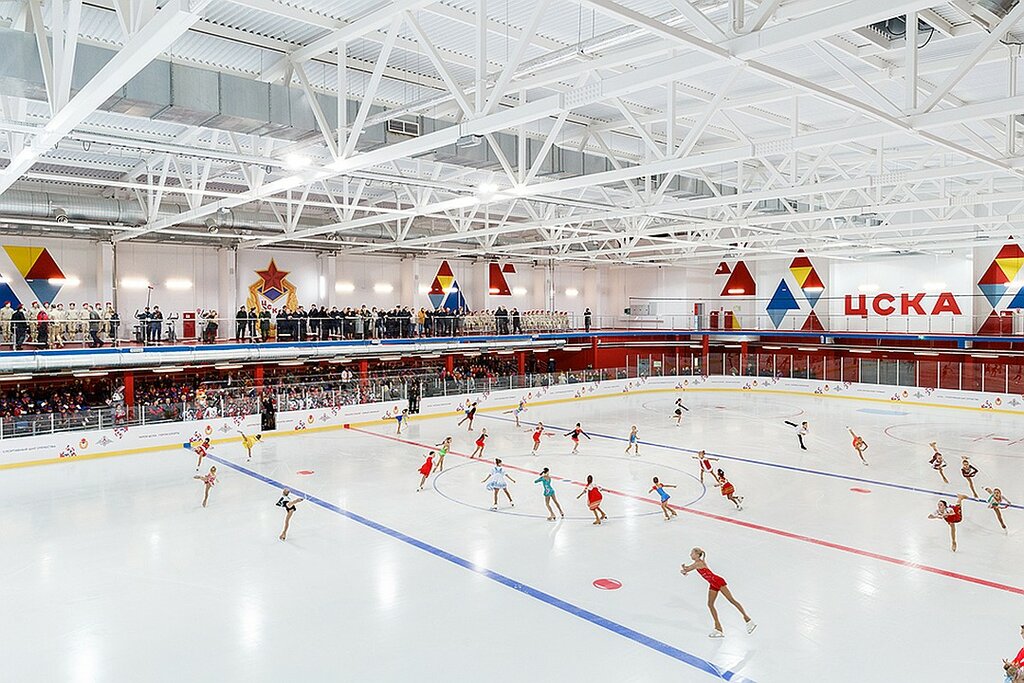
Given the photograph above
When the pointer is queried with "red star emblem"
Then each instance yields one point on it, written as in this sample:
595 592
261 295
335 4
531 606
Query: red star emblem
272 277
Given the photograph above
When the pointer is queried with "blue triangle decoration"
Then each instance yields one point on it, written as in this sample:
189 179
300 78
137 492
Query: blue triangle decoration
7 294
781 303
435 300
454 300
1018 300
993 293
43 290
813 295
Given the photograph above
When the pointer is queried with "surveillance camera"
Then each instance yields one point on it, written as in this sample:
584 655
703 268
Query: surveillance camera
60 215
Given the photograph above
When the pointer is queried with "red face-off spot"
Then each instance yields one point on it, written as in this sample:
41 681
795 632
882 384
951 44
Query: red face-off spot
856 490
304 472
607 584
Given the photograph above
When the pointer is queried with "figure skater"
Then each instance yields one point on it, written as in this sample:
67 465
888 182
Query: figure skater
401 419
537 432
951 515
479 450
859 445
201 449
1015 668
594 499
549 494
425 469
575 433
716 585
969 471
442 450
517 411
937 463
801 432
660 488
496 482
997 503
210 479
728 490
248 442
470 414
704 464
678 415
289 506
634 442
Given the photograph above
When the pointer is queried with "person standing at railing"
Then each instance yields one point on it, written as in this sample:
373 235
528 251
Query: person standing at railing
587 316
94 327
156 322
113 322
264 318
241 322
19 327
6 315
43 326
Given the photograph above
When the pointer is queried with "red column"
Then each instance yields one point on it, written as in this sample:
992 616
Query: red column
258 378
593 352
520 363
743 358
706 352
129 393
449 364
364 374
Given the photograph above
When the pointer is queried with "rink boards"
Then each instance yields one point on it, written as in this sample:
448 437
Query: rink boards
66 446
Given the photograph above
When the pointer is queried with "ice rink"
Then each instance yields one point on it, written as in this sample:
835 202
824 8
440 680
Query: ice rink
114 572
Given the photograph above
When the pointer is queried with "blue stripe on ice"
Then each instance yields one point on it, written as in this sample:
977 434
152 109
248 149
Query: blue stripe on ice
579 612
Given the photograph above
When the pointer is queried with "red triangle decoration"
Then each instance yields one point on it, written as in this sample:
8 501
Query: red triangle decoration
445 270
991 324
994 275
497 285
45 268
1010 251
508 268
723 269
741 282
801 262
813 281
812 324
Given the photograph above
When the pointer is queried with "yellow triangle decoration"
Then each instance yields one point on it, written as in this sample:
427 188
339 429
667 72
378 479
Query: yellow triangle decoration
23 257
801 274
1010 266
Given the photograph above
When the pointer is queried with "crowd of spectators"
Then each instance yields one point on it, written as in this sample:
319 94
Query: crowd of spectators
319 323
54 325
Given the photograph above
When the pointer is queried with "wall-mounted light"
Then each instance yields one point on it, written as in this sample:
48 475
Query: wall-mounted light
178 284
383 288
344 287
572 292
134 282
519 291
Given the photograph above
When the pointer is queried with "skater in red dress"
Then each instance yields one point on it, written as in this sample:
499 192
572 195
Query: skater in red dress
937 463
201 449
716 585
594 499
951 515
728 490
537 433
859 445
425 469
705 464
479 450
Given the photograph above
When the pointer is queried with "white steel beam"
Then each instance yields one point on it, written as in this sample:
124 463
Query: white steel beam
166 26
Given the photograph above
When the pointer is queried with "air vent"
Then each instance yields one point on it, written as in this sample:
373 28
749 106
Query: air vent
403 127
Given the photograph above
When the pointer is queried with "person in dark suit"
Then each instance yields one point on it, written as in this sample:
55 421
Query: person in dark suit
264 317
20 327
241 323
517 324
586 319
156 321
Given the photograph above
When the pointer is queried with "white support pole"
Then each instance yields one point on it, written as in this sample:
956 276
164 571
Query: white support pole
911 62
1011 120
342 90
481 55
